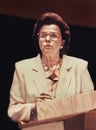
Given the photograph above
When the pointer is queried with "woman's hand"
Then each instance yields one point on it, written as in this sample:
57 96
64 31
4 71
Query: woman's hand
43 97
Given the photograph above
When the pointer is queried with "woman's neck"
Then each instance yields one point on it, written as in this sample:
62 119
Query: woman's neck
50 60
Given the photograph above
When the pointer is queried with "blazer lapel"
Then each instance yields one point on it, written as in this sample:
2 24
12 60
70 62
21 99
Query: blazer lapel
39 75
65 78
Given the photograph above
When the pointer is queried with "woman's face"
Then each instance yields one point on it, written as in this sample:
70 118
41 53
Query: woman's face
50 39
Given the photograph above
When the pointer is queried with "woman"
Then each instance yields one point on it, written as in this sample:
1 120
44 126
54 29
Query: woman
51 74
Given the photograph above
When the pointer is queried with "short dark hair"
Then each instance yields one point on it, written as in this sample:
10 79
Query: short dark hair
52 18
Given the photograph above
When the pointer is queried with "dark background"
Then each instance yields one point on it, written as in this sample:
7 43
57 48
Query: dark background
16 44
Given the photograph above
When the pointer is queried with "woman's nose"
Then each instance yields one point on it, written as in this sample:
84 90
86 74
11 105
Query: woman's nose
48 37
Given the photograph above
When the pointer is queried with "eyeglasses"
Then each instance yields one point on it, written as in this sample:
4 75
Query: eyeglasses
53 36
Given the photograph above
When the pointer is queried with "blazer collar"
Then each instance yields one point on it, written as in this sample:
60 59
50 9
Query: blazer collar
64 79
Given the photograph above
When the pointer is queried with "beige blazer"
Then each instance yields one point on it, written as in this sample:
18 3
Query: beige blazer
29 81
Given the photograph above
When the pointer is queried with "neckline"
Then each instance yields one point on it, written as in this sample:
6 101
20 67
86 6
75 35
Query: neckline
52 68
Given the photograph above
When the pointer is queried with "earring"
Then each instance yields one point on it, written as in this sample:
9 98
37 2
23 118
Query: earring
61 46
63 41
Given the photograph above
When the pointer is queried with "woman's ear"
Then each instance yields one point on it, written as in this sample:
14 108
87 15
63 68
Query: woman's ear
63 41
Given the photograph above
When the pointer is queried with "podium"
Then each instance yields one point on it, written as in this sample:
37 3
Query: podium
71 113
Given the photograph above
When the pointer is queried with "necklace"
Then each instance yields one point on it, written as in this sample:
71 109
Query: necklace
54 67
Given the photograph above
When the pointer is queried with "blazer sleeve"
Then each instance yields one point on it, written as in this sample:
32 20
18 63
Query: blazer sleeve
18 108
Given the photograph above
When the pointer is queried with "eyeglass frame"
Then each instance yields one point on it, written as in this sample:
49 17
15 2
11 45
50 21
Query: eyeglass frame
52 37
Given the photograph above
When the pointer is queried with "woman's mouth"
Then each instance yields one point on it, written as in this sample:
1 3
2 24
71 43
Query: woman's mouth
48 46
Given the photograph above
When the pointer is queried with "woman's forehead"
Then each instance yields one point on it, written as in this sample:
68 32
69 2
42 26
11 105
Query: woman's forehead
51 27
